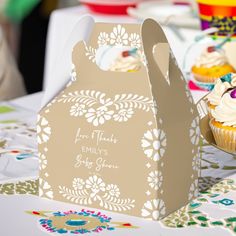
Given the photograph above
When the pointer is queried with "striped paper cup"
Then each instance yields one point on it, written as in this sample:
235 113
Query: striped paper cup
220 14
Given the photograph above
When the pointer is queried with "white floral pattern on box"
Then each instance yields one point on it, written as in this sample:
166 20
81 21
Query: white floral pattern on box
78 183
43 130
154 209
194 190
113 190
42 161
78 110
195 131
94 189
97 109
188 93
135 40
99 116
123 115
91 53
154 144
45 189
119 37
196 162
155 179
103 39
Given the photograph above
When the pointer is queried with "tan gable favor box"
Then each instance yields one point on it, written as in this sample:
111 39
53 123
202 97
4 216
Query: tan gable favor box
122 141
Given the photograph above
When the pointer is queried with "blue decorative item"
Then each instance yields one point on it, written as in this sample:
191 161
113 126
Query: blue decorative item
23 156
226 202
76 222
205 86
226 78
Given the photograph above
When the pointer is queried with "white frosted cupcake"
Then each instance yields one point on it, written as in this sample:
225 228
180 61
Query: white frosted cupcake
221 86
211 65
120 59
127 61
223 123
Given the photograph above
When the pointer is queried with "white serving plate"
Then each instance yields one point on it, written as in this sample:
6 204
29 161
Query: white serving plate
166 13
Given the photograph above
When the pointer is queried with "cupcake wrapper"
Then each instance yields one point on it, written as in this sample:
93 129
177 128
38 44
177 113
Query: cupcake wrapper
205 79
225 139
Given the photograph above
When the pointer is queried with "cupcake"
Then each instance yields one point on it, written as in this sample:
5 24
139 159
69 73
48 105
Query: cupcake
211 65
223 123
127 61
119 59
221 86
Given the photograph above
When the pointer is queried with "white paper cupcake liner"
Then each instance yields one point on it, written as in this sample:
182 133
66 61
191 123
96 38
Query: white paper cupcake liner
225 139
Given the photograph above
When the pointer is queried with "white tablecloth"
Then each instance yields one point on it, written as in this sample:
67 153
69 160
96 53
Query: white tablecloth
213 213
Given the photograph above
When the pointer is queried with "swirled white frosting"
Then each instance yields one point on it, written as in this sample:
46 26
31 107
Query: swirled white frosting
216 94
233 81
125 64
210 59
220 88
225 112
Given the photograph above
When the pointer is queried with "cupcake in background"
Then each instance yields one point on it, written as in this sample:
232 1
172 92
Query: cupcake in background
119 59
127 61
223 123
211 65
221 86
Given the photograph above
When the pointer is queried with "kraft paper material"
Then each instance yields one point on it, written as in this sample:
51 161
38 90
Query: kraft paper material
124 142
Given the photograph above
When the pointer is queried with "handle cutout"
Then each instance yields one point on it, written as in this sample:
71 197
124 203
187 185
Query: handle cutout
162 49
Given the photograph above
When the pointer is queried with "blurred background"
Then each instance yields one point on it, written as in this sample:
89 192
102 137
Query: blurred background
24 24
24 32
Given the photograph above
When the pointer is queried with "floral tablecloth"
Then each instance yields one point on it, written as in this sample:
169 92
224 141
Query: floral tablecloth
214 209
212 213
18 150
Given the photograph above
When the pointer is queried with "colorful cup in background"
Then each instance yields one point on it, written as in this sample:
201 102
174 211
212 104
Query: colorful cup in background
111 7
220 14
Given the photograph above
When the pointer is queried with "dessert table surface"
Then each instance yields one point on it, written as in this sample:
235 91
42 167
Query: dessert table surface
23 212
212 213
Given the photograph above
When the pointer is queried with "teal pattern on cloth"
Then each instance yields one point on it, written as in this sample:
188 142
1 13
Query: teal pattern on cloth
81 222
193 215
